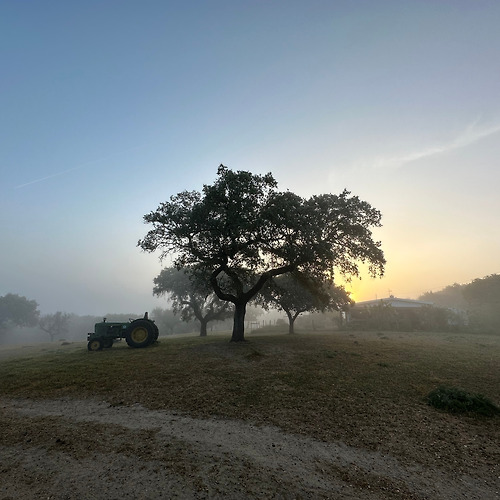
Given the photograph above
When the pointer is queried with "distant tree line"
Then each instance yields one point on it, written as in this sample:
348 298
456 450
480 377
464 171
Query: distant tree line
472 307
20 320
478 302
386 317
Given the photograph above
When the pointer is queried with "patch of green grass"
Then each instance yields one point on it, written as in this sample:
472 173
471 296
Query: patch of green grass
455 400
330 354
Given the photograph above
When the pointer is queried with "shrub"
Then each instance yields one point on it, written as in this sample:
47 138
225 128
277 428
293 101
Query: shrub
456 400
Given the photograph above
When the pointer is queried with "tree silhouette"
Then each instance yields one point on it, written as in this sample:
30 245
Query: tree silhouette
56 325
192 296
243 231
294 294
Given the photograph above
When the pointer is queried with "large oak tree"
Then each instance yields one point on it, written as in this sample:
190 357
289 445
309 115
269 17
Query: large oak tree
243 231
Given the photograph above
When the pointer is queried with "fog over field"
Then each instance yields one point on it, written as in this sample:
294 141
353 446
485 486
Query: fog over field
109 109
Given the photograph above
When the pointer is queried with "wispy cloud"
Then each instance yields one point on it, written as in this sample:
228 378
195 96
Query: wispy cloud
78 167
470 135
35 181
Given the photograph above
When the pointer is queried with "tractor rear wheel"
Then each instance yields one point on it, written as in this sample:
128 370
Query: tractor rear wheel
140 333
95 345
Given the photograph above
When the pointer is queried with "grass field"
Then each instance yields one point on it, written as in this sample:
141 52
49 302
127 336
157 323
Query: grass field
366 389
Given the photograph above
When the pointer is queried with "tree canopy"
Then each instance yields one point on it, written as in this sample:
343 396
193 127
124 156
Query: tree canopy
192 296
243 231
16 310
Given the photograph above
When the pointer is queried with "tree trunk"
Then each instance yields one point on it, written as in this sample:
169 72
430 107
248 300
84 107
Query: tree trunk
291 319
239 322
291 322
203 328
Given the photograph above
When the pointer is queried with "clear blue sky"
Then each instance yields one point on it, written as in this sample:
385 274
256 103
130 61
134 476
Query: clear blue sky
109 107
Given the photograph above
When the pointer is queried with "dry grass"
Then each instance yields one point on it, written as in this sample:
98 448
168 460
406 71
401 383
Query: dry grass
366 389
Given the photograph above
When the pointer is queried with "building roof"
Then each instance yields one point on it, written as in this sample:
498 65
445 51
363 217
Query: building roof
394 302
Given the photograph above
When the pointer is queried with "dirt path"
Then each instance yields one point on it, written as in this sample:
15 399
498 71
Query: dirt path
86 449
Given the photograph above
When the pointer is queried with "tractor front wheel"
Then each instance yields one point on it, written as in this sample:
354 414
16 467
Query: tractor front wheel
140 333
94 345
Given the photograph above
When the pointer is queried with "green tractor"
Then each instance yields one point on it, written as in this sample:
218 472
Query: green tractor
137 333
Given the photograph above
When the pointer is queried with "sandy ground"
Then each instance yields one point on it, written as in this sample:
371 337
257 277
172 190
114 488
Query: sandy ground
87 449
